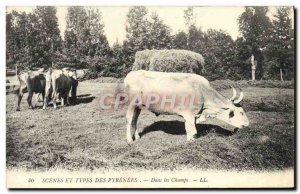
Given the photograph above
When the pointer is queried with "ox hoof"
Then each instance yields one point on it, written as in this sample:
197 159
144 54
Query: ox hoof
192 137
137 136
18 109
130 142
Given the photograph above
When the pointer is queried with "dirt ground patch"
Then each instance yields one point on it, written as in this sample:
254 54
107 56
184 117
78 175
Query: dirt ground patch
82 137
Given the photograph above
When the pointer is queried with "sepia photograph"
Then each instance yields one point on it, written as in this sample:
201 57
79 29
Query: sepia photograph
150 97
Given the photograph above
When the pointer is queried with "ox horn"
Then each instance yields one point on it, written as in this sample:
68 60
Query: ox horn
234 93
240 98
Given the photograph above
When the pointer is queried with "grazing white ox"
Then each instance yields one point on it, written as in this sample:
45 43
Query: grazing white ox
184 94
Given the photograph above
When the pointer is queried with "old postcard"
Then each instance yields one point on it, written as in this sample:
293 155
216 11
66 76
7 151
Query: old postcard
150 97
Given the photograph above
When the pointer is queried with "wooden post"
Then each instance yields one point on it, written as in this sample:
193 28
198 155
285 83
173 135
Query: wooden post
16 67
281 77
253 66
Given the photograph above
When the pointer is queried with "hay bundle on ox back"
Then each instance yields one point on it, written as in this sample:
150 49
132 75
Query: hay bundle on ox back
169 61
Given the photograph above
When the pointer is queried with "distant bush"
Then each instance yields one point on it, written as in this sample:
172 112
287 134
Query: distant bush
169 61
222 84
225 84
107 80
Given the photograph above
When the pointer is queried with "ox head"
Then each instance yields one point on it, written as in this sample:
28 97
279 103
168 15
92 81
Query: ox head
234 114
70 72
229 110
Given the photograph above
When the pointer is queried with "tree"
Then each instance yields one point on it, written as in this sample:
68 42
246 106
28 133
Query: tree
159 34
119 66
76 20
255 27
97 43
136 29
242 52
194 35
33 38
180 40
196 39
220 56
85 42
17 37
44 24
10 40
280 51
189 17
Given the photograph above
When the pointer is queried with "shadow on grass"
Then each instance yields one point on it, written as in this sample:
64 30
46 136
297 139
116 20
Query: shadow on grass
81 99
83 95
177 128
84 99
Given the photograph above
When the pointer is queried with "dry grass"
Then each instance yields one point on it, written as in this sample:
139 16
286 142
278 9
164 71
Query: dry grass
82 137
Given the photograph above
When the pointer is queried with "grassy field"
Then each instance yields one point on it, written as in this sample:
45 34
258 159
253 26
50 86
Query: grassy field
82 137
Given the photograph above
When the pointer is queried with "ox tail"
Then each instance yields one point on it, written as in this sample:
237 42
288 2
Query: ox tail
120 99
50 71
55 89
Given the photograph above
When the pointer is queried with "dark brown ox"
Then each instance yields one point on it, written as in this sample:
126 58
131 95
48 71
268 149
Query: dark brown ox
61 82
31 82
75 76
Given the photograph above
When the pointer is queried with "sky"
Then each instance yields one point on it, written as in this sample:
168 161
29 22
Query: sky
114 19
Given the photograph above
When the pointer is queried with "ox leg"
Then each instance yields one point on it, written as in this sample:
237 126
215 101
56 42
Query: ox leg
68 98
29 99
37 99
20 95
132 116
43 96
190 127
45 102
22 90
74 91
46 98
47 95
55 96
62 100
